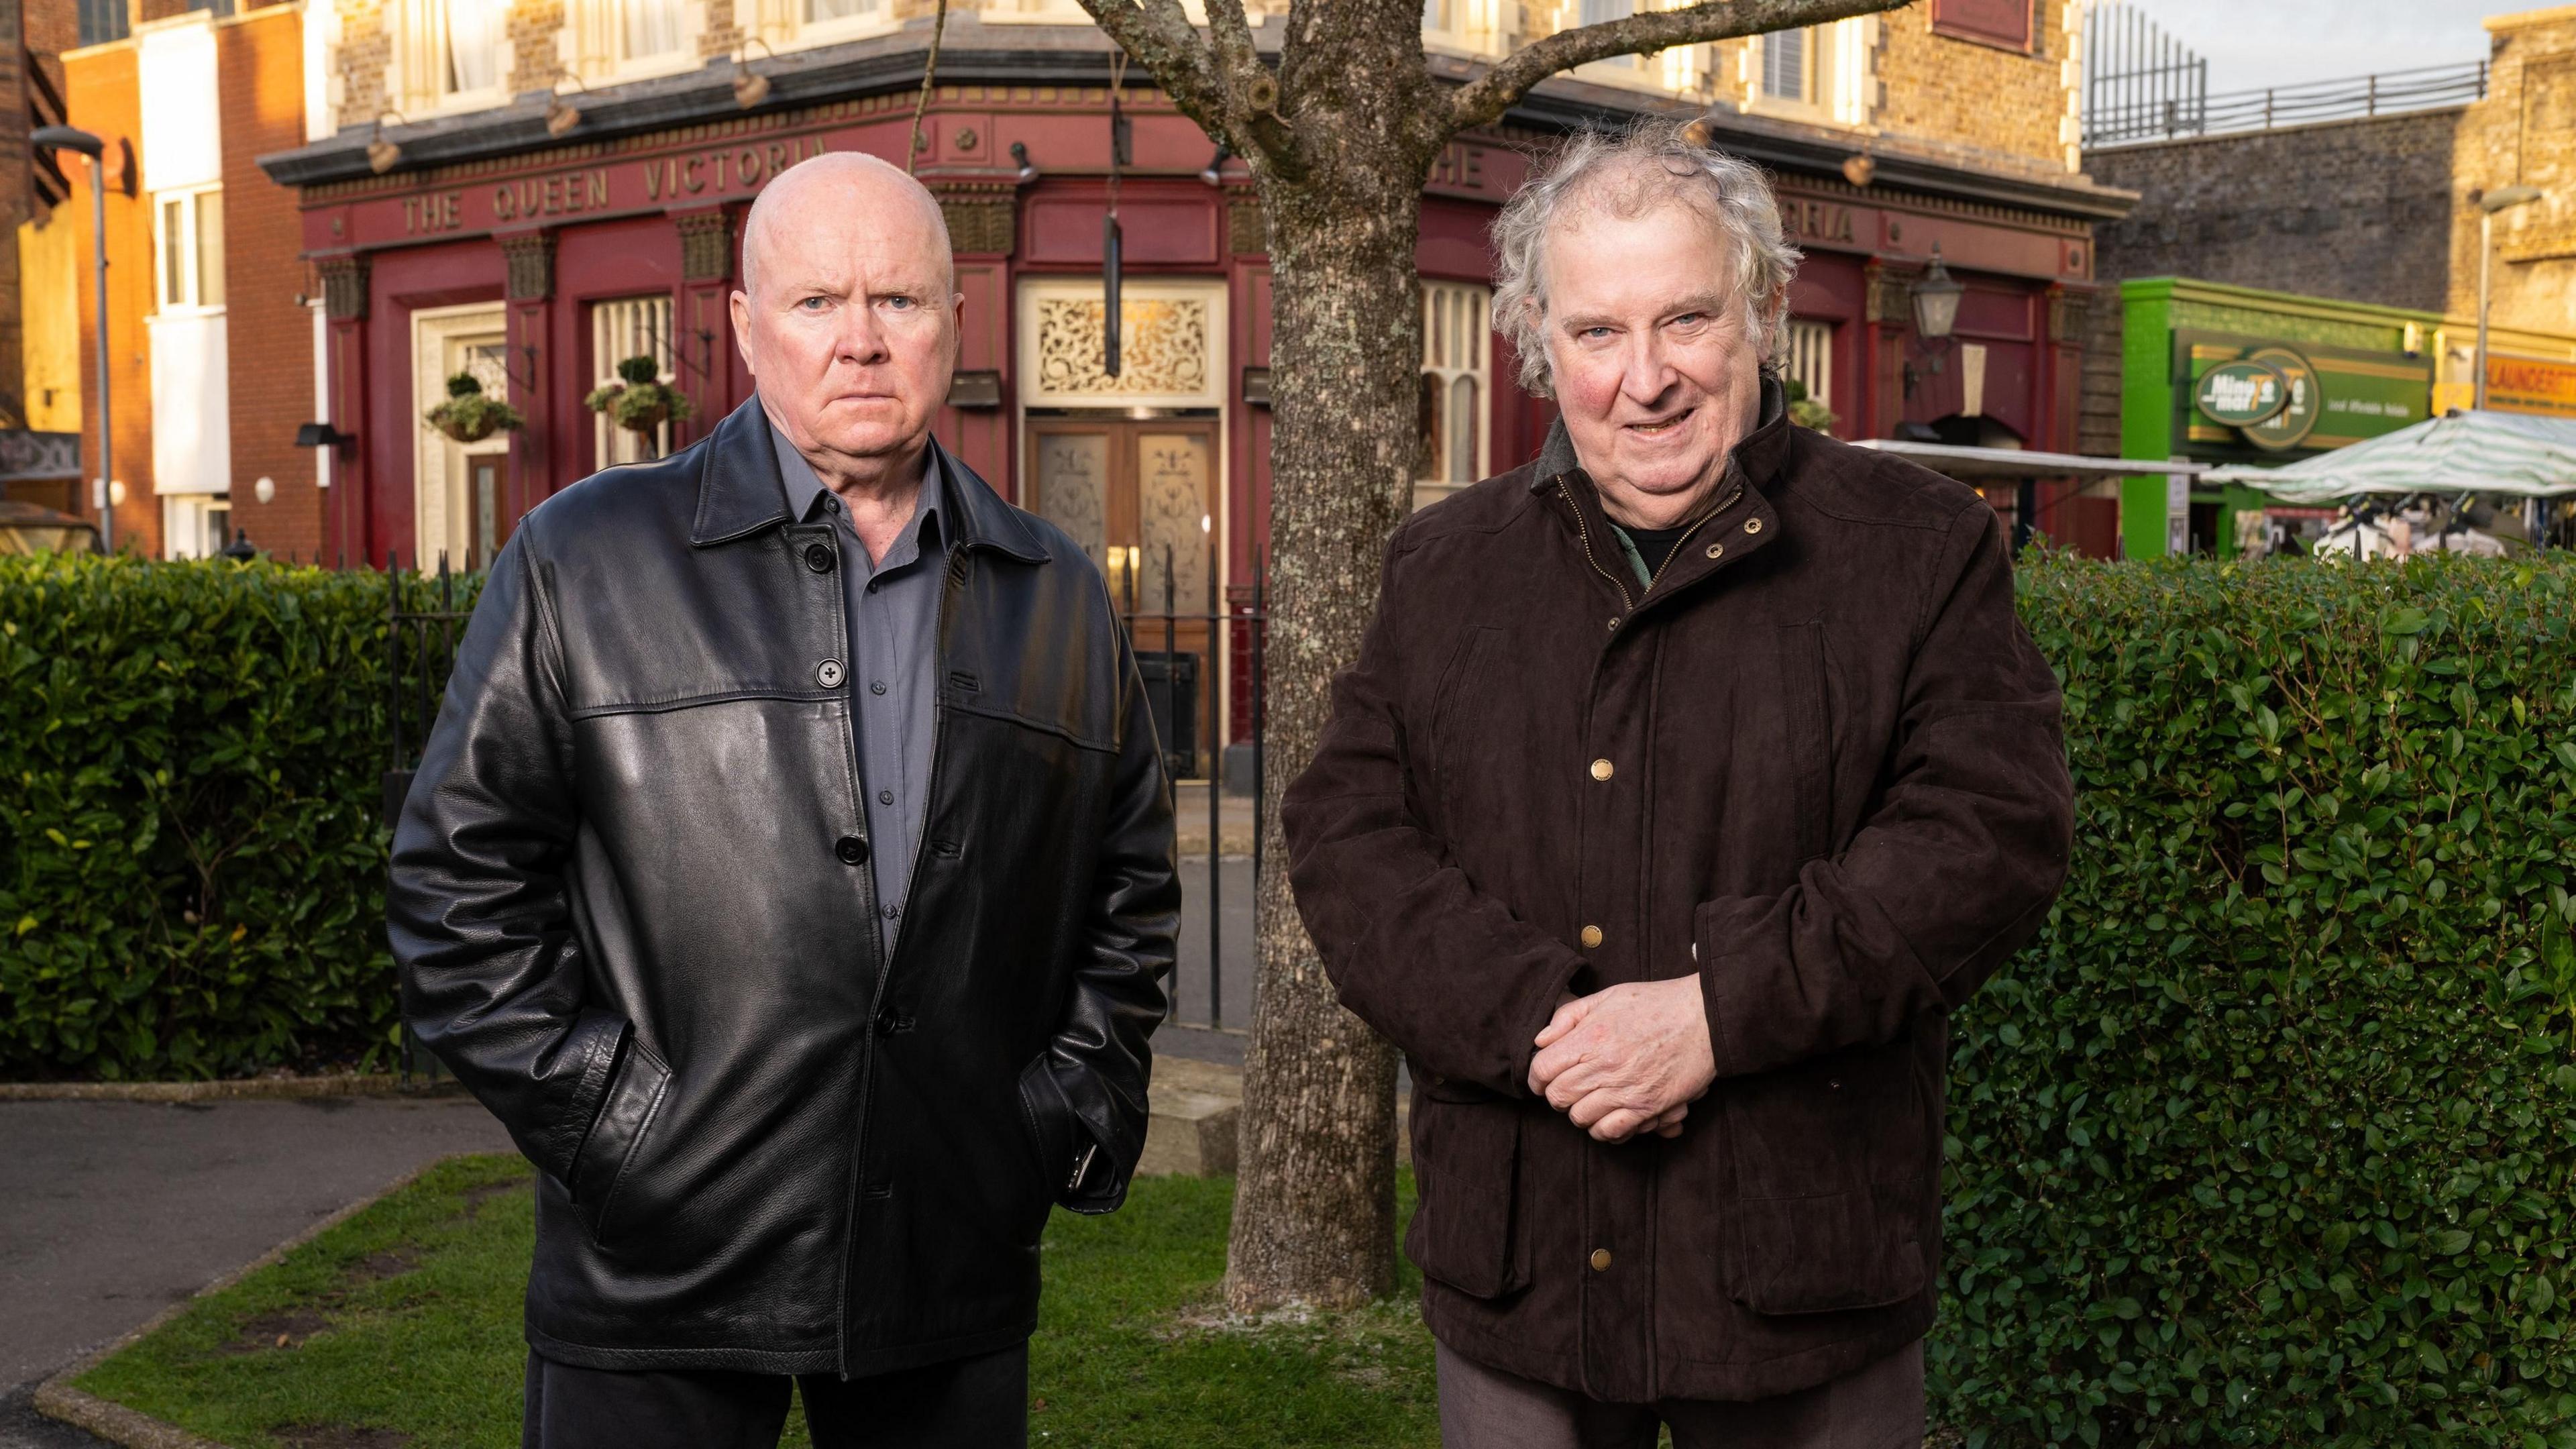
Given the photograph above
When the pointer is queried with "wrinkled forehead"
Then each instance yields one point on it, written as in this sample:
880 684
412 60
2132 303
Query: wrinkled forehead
822 227
1645 248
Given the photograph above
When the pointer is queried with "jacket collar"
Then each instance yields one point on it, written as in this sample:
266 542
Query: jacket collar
739 493
1757 459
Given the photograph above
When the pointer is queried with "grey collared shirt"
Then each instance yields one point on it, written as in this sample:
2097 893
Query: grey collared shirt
893 666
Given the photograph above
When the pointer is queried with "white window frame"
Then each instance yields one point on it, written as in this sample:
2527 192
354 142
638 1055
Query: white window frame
1680 72
617 326
597 37
194 270
422 59
1807 354
189 527
1842 85
1463 27
1457 346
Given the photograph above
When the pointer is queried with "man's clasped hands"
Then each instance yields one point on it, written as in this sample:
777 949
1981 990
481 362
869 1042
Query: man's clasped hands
1627 1059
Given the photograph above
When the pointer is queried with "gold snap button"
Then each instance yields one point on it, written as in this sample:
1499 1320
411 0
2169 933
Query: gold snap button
1614 626
1601 769
1601 1260
1591 937
1753 525
1716 549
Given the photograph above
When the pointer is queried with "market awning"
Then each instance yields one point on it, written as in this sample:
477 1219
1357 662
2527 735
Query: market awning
2465 452
1969 464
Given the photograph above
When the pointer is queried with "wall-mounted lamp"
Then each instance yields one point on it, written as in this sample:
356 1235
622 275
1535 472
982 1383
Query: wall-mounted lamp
383 155
265 490
1936 300
750 87
1028 168
563 115
1214 175
322 435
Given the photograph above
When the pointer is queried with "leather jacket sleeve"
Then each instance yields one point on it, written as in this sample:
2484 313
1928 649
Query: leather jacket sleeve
1443 970
1950 874
1086 1092
481 927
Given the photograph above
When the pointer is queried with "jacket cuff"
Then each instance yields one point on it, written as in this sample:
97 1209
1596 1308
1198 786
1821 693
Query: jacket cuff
1725 930
1544 1012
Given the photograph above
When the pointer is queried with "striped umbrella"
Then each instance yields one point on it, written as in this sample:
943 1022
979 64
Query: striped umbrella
2465 452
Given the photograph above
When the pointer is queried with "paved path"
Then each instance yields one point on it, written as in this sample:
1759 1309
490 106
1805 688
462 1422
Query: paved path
112 1211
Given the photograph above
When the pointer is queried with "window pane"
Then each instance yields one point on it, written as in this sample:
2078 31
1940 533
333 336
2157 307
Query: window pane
1784 65
473 53
1462 430
838 9
1596 11
174 252
210 248
652 28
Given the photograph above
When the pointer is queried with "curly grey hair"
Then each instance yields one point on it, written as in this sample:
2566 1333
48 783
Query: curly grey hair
1657 163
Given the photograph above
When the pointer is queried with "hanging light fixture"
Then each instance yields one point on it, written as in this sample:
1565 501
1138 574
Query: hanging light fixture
750 87
1214 175
383 155
1936 300
1028 168
562 115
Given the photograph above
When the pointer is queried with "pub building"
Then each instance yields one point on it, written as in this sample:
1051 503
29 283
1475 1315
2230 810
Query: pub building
535 241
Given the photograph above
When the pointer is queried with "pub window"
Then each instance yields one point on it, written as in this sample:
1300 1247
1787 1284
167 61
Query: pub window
189 236
452 50
1807 356
1594 12
1786 74
647 28
826 12
619 329
1457 354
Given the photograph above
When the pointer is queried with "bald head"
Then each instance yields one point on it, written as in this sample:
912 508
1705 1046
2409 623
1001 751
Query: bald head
848 313
840 185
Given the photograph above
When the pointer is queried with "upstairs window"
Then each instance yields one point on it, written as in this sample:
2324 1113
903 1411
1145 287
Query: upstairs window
452 51
102 21
647 29
1786 75
190 238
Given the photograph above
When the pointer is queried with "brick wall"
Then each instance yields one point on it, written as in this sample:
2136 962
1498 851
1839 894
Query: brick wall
270 333
2353 210
2522 134
1982 101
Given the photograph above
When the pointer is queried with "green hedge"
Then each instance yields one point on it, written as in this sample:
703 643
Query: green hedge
191 868
2267 1139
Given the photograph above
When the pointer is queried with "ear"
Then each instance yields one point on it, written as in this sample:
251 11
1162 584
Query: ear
740 306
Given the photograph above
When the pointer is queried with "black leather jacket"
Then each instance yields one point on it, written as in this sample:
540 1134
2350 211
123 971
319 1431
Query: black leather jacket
632 912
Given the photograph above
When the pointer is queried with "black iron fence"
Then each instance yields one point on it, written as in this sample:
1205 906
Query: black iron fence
1203 676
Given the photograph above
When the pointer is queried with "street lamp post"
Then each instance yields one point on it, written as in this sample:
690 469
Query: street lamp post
72 138
2503 198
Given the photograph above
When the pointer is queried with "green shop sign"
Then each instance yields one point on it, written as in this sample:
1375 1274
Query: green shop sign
2240 394
2266 395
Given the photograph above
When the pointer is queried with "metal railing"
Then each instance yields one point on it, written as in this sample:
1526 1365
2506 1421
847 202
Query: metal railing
1197 705
2156 117
422 625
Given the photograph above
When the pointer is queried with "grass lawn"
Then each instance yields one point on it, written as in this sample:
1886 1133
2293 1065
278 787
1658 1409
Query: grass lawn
400 1328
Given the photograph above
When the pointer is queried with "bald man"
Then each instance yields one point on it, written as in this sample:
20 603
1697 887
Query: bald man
790 871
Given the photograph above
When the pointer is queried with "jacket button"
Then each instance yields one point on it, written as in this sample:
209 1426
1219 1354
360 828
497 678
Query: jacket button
818 557
1601 769
1614 626
1601 1260
852 849
828 674
1591 937
1753 525
1716 549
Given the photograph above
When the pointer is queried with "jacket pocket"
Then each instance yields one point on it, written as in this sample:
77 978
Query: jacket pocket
608 1154
1049 1130
1466 1163
1831 1184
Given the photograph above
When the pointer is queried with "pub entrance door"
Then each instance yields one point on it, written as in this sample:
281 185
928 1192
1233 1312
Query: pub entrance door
1140 496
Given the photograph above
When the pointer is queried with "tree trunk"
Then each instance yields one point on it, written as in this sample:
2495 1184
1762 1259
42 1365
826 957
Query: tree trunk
1314 1218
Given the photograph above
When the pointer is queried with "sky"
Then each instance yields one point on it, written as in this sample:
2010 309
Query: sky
2251 44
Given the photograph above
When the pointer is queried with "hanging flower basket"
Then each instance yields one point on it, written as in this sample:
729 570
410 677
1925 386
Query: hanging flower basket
639 401
470 415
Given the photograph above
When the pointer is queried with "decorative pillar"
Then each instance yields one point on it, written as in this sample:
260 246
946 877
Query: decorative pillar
983 220
1887 314
528 289
344 310
702 316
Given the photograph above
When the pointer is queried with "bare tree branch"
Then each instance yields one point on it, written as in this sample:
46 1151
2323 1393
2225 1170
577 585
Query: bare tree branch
1157 35
1483 100
1249 84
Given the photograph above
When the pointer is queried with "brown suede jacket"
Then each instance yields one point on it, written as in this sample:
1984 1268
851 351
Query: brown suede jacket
1818 765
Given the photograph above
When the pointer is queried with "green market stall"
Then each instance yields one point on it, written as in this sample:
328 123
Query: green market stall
2220 376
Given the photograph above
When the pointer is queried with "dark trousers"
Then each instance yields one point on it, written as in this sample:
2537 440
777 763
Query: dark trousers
1879 1406
971 1403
